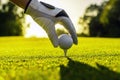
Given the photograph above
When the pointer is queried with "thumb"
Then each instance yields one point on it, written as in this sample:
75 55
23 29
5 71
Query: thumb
67 23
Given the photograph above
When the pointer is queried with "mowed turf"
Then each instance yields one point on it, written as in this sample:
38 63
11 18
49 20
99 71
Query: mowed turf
36 59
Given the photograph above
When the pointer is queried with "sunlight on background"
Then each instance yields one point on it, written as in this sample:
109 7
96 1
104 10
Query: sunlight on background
74 8
34 30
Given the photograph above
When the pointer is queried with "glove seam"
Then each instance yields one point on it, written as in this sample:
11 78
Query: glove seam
27 6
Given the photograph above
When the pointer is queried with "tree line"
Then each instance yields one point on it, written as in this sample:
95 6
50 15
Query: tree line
98 20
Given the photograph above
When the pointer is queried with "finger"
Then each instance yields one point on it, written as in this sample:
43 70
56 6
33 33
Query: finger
67 23
49 27
52 35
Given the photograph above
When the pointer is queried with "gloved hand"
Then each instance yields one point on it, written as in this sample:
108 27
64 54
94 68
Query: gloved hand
47 16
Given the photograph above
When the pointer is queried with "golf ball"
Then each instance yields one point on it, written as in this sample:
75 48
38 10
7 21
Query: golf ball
65 41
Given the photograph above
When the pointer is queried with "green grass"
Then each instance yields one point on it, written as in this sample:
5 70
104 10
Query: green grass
36 59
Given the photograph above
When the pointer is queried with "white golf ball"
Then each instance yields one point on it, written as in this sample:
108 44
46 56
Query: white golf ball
65 41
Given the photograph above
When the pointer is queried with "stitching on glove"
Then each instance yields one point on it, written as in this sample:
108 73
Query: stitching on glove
27 6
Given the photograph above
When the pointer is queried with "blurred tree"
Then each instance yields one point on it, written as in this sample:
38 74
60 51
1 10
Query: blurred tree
90 20
11 20
110 18
103 20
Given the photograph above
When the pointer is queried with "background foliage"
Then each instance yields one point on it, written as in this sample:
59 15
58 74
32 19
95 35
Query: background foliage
11 20
102 20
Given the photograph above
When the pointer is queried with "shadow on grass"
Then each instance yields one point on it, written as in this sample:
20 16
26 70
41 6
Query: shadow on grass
80 71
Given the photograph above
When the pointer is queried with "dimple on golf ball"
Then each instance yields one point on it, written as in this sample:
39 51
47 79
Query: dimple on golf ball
65 41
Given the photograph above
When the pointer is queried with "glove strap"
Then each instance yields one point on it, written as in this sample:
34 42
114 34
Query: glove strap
27 6
62 14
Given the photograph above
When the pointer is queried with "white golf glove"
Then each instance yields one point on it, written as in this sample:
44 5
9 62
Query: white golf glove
47 16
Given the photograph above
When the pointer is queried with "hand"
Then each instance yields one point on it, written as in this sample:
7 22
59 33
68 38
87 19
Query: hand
47 16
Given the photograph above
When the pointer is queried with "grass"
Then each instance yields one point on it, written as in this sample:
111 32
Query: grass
36 59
